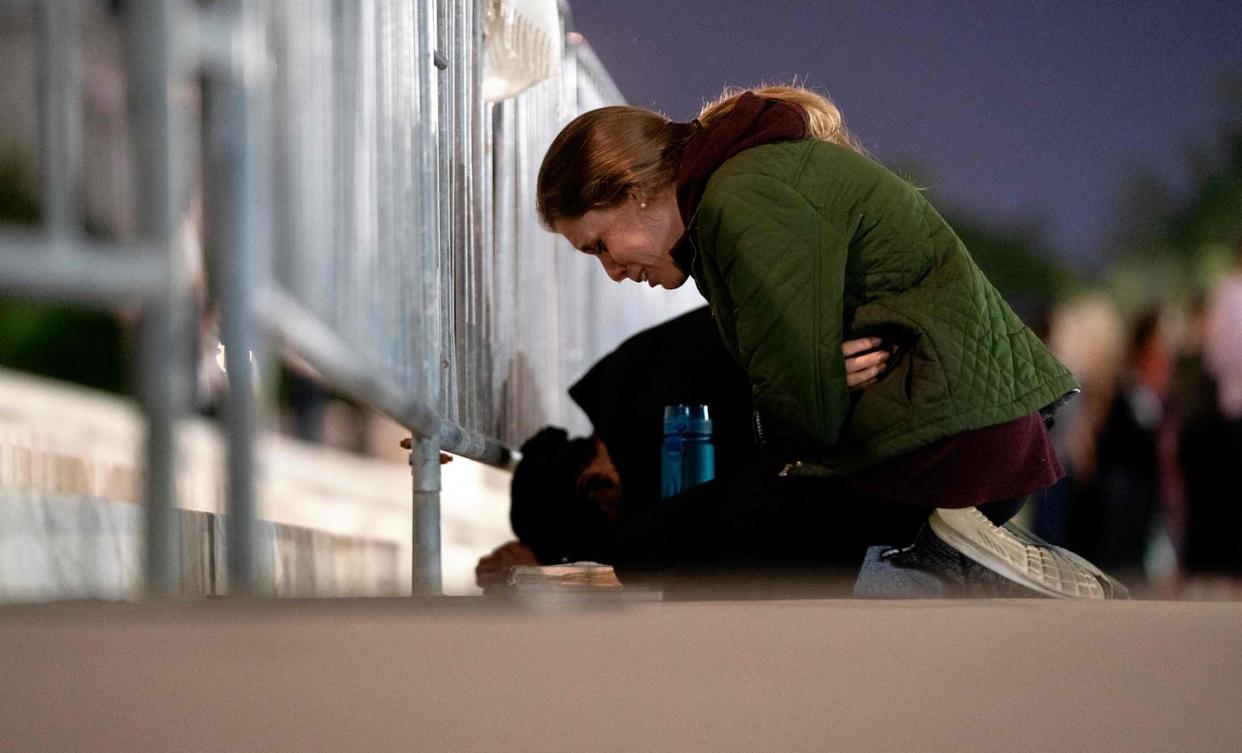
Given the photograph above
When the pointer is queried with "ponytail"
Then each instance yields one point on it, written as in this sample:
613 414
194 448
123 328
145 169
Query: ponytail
824 120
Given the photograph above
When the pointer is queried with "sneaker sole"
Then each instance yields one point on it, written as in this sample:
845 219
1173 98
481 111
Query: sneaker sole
1048 570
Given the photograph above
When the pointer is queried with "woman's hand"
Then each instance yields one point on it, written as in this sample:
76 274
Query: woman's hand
864 362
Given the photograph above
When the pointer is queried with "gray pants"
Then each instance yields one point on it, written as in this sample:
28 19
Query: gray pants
930 569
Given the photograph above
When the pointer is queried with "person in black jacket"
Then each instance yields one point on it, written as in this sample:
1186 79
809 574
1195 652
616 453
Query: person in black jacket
569 495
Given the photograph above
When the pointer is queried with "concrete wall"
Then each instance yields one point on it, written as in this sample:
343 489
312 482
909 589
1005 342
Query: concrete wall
336 524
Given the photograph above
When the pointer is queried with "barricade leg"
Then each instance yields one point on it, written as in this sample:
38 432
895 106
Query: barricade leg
425 464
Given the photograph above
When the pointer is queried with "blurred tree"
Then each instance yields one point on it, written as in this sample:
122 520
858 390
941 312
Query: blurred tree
18 205
1020 263
1212 213
1015 256
62 342
1172 244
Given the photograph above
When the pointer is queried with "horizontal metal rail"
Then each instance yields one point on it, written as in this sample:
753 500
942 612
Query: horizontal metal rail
35 266
295 326
469 444
590 66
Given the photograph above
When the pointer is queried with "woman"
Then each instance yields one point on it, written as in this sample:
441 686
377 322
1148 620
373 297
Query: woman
799 241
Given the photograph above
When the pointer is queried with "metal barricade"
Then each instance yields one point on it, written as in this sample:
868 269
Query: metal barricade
364 209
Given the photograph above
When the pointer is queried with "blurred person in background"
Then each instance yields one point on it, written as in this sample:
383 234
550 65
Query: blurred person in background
1088 335
1222 347
1119 503
1210 436
1115 526
1209 517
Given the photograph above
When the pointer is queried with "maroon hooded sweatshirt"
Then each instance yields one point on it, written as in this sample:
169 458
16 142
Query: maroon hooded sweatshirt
1000 462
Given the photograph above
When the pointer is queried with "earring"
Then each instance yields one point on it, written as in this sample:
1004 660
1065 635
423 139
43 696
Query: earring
642 205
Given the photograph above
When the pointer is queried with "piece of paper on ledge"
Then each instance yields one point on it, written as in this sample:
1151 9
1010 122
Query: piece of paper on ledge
571 576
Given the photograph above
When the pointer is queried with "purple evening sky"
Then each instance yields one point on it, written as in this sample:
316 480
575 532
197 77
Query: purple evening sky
1007 110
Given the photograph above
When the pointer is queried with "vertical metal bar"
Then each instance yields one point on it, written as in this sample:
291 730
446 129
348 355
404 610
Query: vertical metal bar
425 462
415 215
425 465
446 35
526 334
457 377
386 297
366 149
401 83
163 345
345 51
464 245
505 212
234 154
469 344
60 114
317 212
488 421
480 331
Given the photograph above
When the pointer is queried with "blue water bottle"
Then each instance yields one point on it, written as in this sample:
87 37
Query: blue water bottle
688 457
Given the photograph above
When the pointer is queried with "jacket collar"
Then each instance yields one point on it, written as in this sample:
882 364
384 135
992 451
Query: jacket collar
753 121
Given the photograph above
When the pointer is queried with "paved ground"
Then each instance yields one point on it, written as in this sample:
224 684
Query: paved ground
472 675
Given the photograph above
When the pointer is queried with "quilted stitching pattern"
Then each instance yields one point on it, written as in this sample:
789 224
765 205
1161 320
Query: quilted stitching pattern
967 362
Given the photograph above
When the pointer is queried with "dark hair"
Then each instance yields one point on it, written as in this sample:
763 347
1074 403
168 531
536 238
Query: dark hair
545 510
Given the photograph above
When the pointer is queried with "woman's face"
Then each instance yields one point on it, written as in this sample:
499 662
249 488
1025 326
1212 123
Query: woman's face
633 242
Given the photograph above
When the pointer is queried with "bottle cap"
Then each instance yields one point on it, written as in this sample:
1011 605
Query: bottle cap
687 419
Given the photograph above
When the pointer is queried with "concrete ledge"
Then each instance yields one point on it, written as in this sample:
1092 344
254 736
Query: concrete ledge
71 471
469 675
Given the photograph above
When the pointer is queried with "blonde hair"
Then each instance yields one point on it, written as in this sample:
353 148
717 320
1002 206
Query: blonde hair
824 121
605 155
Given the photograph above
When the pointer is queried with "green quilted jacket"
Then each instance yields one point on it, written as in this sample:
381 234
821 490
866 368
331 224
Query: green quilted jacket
800 245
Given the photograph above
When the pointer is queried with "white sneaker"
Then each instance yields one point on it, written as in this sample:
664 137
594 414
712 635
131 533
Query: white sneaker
1022 557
